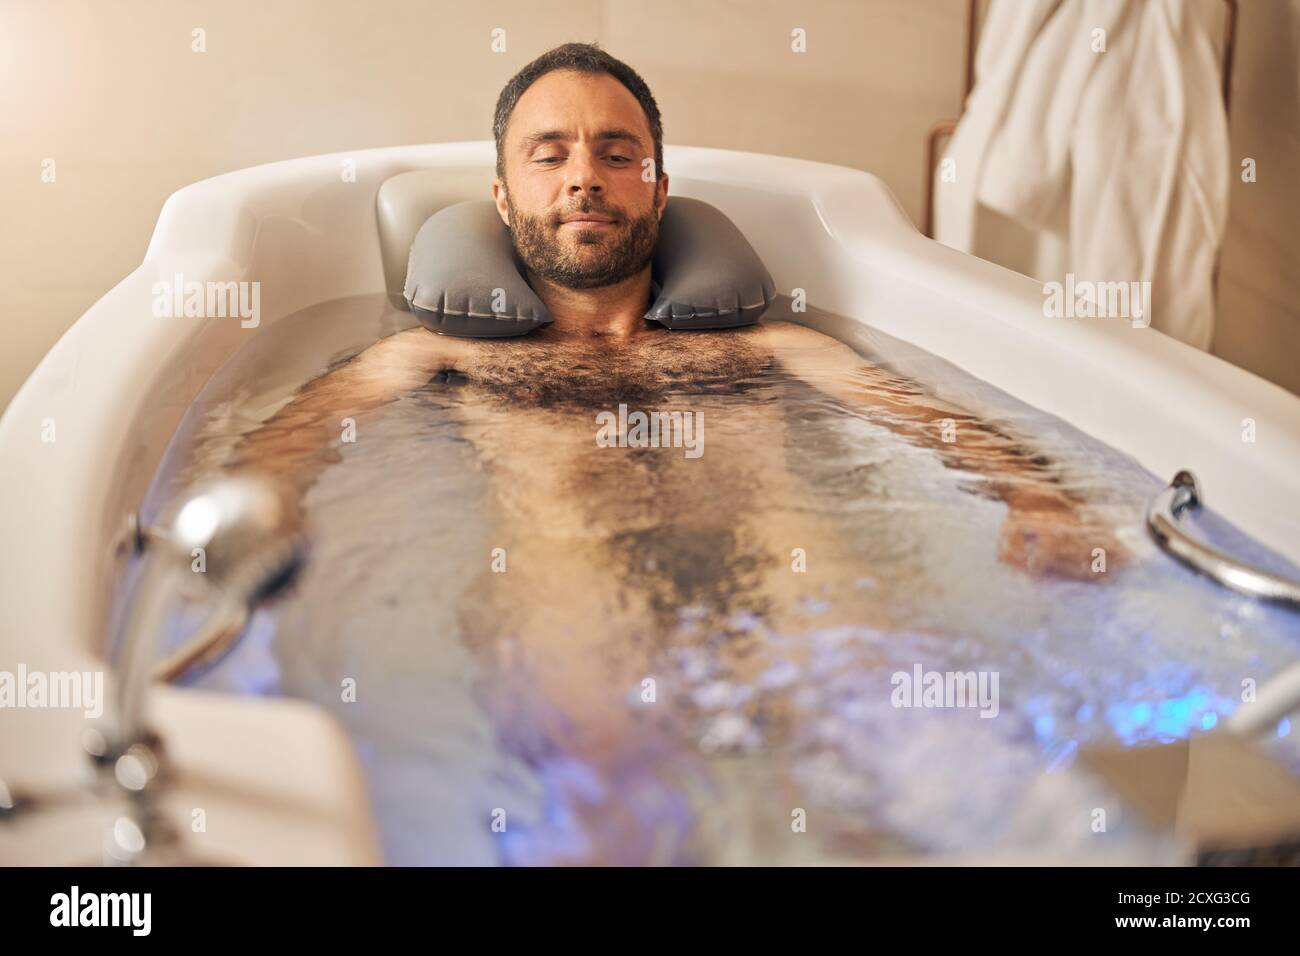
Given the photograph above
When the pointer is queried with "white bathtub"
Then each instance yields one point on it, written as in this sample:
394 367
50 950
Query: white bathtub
116 385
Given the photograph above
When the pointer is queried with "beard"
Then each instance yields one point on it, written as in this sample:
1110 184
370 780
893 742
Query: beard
591 258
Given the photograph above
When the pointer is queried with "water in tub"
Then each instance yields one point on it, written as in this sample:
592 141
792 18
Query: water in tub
802 630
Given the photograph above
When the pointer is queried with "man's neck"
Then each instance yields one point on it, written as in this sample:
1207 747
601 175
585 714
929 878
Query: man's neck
617 311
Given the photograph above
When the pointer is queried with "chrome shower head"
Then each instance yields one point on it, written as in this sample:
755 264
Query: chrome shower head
238 541
245 534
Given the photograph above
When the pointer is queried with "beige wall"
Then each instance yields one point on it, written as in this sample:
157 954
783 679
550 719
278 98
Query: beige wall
1259 274
113 94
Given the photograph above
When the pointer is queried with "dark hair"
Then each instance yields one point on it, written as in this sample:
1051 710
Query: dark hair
585 58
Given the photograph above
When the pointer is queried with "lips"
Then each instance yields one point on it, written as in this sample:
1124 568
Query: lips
587 217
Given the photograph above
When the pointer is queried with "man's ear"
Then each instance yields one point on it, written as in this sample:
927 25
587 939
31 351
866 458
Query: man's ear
661 199
499 197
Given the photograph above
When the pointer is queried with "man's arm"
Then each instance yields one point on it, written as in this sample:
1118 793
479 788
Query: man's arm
295 443
1045 530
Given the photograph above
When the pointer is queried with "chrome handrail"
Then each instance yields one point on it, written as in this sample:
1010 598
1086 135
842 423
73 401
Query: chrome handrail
1162 520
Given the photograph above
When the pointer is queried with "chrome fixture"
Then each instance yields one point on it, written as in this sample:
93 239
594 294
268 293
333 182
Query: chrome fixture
1162 520
234 543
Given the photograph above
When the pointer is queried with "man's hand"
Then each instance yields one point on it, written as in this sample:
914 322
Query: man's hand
1047 534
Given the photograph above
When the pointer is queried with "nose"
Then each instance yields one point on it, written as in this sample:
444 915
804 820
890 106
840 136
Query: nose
584 174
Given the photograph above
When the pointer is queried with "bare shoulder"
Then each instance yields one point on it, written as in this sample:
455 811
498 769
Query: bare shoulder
791 342
792 334
416 348
400 362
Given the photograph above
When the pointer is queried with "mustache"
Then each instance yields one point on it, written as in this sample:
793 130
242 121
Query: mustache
589 208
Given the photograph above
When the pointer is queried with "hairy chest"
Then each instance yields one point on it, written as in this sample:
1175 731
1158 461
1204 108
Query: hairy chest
599 371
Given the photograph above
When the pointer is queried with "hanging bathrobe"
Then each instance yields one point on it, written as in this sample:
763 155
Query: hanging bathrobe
1112 165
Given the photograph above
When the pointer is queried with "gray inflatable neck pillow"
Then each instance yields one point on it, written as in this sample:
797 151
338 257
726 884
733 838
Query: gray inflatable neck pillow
463 277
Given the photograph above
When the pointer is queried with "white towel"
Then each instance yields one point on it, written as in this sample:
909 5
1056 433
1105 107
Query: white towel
1117 161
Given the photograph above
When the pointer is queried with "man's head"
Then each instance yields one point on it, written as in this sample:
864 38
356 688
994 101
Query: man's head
578 134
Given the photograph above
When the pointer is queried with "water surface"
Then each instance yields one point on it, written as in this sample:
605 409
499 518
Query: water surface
651 679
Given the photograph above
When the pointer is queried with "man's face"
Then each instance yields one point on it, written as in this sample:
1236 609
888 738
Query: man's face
575 147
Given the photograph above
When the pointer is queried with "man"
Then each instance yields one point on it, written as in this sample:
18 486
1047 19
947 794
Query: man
574 131
608 548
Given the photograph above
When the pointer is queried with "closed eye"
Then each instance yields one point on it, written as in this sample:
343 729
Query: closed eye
556 159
